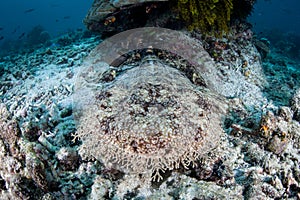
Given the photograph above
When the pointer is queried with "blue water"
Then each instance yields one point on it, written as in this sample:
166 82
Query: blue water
280 15
55 16
279 22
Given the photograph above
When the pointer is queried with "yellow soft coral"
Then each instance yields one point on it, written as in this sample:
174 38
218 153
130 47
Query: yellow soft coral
206 15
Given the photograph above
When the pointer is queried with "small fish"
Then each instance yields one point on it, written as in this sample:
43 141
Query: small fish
109 20
29 10
56 20
1 28
1 37
286 11
54 5
67 17
15 30
149 8
21 36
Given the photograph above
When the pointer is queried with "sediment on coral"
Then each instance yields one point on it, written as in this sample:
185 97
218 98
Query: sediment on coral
37 154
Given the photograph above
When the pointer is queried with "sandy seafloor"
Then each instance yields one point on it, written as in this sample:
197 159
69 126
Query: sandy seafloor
258 158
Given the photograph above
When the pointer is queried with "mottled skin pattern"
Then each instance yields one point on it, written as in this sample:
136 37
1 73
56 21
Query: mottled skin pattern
149 118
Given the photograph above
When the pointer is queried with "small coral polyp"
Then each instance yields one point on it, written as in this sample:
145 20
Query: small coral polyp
151 118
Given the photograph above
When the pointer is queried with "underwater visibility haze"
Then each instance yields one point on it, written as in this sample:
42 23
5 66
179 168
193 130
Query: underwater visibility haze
149 99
